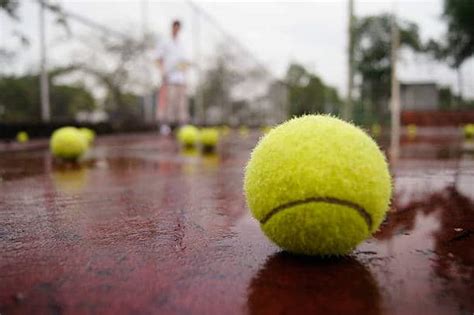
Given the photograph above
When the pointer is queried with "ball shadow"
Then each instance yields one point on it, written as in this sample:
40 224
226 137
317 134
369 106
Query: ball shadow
289 284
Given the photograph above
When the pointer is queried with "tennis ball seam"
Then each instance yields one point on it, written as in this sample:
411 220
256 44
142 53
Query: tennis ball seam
331 200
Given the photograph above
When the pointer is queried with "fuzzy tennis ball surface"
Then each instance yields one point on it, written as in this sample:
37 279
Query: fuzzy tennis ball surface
188 135
209 138
68 143
89 134
317 185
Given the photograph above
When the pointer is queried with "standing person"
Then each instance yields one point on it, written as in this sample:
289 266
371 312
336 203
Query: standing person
172 62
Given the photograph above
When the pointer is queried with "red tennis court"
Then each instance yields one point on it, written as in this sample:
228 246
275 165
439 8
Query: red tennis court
142 227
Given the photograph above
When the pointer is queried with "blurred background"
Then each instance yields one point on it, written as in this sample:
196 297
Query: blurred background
91 63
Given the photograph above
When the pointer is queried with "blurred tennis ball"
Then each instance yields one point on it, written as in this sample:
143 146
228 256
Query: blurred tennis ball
209 138
188 135
376 130
22 137
469 131
68 143
317 185
412 131
89 134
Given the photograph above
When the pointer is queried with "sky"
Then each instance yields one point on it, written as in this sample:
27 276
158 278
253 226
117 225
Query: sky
276 33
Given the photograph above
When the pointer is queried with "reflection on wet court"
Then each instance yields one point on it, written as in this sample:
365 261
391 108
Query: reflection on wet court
144 227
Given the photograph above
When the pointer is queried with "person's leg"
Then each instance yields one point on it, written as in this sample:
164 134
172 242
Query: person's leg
183 113
167 110
161 105
172 104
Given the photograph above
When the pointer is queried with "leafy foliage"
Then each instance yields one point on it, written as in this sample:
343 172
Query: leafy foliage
232 90
218 82
115 64
308 93
372 56
458 43
20 101
460 36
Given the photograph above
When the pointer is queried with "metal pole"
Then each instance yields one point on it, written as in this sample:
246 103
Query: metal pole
199 102
460 87
395 99
44 86
147 96
347 112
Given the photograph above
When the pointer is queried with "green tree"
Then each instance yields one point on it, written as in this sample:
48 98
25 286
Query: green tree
218 84
307 93
457 45
19 99
67 101
446 98
115 64
372 47
459 15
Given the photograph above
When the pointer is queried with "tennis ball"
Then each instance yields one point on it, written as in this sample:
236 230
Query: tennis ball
209 138
89 134
22 137
68 143
376 130
469 131
317 185
188 135
411 130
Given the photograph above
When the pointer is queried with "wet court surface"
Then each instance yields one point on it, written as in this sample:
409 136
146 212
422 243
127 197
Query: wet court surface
142 228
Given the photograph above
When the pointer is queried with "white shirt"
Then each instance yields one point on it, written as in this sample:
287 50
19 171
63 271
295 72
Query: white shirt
174 57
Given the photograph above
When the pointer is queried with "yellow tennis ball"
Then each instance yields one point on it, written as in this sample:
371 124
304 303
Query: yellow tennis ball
469 131
376 130
68 143
412 131
188 136
317 185
89 134
22 137
209 138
